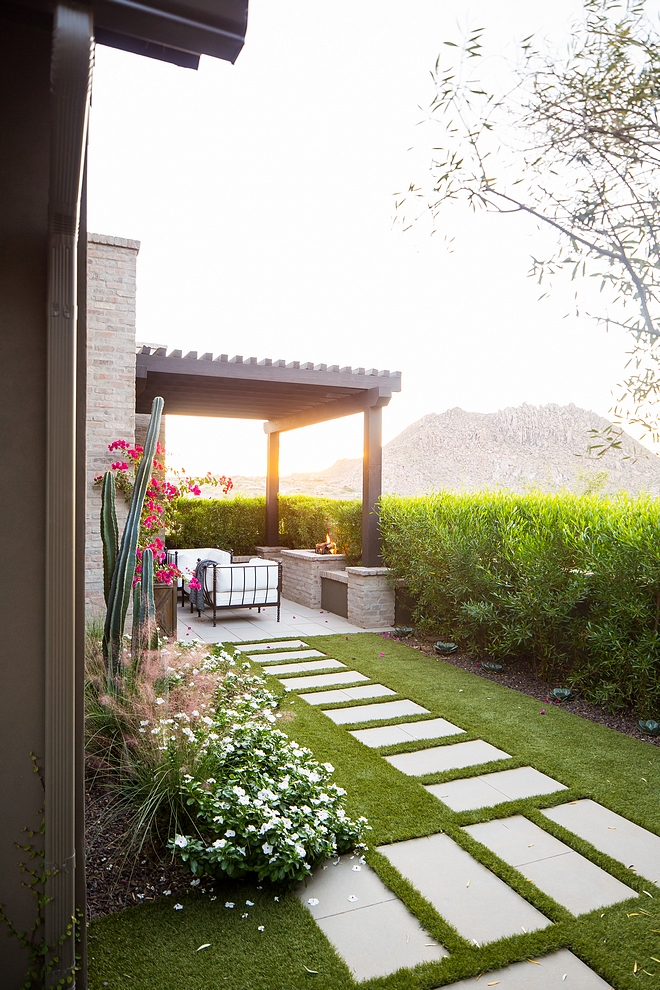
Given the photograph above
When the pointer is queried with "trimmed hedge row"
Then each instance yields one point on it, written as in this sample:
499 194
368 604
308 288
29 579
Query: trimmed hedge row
239 523
571 581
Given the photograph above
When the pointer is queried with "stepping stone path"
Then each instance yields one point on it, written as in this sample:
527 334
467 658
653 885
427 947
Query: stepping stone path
439 759
570 879
349 694
287 655
611 834
321 680
558 970
366 922
304 666
494 788
375 713
354 908
390 735
288 644
478 904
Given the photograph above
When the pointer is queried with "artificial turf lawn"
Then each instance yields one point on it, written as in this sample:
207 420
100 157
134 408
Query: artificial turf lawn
152 946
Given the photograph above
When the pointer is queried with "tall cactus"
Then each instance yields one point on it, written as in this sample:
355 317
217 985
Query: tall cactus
109 532
124 569
145 631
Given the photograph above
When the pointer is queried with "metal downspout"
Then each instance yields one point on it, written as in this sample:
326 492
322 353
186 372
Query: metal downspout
70 88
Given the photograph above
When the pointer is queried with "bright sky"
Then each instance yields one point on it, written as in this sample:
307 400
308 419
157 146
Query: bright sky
263 195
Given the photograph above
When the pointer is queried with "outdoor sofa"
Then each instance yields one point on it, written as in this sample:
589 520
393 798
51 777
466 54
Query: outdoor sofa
256 583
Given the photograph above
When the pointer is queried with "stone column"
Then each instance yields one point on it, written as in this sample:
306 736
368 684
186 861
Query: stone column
370 597
111 264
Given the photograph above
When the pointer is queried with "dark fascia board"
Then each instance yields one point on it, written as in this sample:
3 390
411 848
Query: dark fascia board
111 39
266 371
165 28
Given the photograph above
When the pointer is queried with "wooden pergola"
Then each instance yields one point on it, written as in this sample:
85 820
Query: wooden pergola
285 395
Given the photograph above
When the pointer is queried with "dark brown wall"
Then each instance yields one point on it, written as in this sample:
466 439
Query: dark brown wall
24 139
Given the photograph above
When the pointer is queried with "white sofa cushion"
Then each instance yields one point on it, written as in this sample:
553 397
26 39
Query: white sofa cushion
187 560
254 583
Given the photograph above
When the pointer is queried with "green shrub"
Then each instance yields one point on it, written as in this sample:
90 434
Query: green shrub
239 524
572 582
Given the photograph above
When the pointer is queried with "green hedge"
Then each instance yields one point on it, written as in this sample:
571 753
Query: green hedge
239 524
572 582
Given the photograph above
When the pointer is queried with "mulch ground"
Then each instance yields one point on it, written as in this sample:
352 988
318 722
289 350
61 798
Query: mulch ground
117 879
520 676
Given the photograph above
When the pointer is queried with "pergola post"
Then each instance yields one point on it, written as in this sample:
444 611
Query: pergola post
272 490
371 486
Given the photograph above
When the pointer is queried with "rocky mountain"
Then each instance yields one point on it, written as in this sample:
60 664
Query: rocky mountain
522 447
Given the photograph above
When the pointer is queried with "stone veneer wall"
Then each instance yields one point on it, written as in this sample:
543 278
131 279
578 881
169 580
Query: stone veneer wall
370 597
301 574
111 263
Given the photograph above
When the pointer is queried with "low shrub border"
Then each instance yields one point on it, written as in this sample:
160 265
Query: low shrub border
239 523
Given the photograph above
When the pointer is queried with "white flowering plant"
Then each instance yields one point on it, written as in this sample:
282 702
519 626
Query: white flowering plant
268 808
195 751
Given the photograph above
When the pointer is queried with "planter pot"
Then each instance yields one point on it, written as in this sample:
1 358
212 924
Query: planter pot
165 599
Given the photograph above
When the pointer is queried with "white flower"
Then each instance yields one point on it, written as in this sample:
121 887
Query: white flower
329 767
180 841
229 904
144 721
160 701
178 907
196 883
244 800
210 780
230 833
250 903
267 849
195 713
219 843
261 928
238 790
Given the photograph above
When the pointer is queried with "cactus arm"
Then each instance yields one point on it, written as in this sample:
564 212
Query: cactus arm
109 532
145 633
122 578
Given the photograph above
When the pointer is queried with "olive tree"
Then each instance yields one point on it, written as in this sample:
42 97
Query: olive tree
573 142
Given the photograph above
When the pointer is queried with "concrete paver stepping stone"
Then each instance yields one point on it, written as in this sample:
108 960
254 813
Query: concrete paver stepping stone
376 712
570 879
437 759
561 970
490 789
318 680
304 666
365 921
348 694
288 644
480 906
613 835
390 735
286 655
